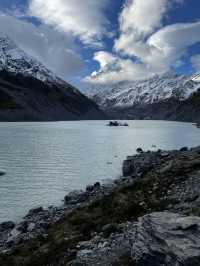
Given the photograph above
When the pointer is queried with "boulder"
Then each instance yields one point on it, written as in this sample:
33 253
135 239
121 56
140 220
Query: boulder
139 150
35 211
22 227
89 188
166 239
76 196
94 187
184 149
97 185
7 226
127 168
108 229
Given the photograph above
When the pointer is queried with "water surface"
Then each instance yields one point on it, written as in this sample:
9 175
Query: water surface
44 161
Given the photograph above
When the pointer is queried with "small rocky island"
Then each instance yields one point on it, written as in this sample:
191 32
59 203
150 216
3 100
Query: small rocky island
117 124
149 216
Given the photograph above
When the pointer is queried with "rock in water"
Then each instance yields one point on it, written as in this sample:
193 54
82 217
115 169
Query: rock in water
75 197
166 239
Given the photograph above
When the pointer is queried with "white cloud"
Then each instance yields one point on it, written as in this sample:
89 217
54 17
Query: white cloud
104 58
85 19
150 47
142 17
137 21
56 51
169 44
114 69
162 51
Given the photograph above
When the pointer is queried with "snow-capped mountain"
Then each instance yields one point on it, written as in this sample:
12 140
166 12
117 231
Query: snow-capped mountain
15 60
31 92
148 91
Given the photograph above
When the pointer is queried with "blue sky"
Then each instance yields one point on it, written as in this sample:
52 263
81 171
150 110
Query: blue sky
94 42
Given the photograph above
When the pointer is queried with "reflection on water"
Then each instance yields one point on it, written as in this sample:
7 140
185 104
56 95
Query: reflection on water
44 161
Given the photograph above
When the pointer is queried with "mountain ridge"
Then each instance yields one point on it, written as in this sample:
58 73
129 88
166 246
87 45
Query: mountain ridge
152 98
147 91
31 92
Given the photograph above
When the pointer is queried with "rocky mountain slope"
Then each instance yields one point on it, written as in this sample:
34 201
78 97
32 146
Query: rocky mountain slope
168 96
31 92
149 216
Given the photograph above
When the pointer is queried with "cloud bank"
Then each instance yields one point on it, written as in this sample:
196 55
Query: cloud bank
150 47
56 32
56 51
84 19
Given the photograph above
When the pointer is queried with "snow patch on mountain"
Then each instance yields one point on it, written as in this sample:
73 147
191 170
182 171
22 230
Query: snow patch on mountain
148 91
15 60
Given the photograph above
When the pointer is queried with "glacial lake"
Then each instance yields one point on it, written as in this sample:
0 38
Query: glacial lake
45 161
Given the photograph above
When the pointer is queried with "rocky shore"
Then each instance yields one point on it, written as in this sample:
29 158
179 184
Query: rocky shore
148 217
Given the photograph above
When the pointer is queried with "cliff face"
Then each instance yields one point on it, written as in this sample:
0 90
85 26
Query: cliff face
31 92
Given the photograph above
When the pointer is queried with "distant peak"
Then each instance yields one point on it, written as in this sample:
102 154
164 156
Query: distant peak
15 60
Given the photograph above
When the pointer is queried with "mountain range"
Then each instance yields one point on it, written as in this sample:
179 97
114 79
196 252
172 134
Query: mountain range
168 96
31 92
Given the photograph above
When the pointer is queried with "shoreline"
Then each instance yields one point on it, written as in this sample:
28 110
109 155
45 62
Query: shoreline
152 181
91 120
134 126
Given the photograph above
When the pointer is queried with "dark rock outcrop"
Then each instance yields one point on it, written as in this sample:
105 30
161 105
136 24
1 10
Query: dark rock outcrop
6 226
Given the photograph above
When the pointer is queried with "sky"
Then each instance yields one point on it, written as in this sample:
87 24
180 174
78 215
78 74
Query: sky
95 43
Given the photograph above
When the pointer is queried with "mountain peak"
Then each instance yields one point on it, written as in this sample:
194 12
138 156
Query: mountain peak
148 91
15 60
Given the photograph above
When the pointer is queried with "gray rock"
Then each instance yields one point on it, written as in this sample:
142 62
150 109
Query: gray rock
6 226
31 227
76 196
22 227
109 229
104 252
184 149
139 150
89 188
157 239
166 239
94 187
97 185
164 154
127 168
14 238
35 211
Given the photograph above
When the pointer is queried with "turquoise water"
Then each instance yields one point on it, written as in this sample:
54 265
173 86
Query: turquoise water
44 161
